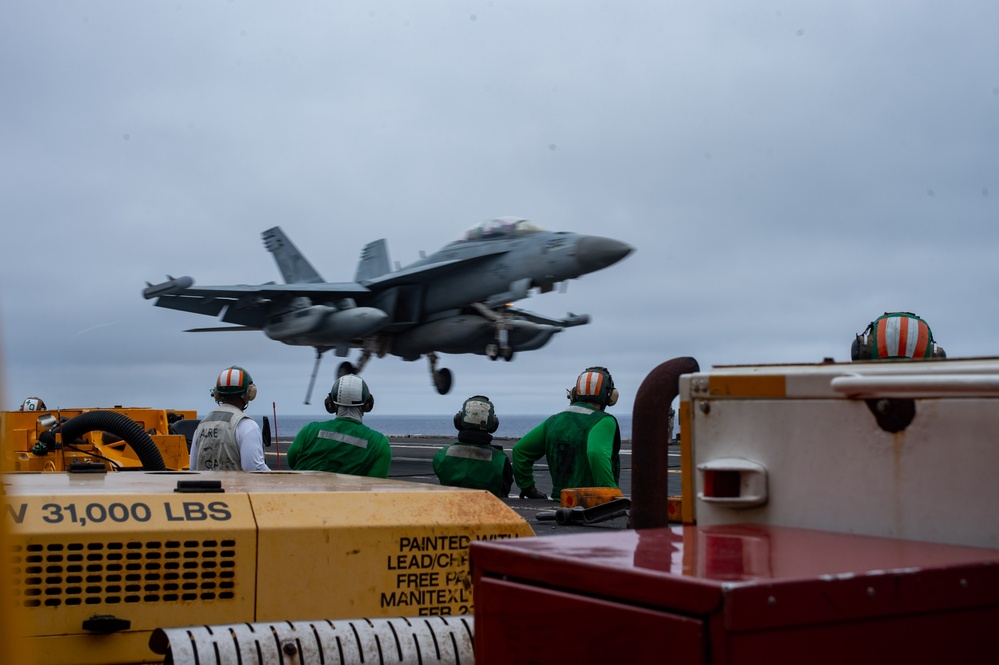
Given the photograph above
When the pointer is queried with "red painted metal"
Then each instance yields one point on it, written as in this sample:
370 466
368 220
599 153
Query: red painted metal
733 594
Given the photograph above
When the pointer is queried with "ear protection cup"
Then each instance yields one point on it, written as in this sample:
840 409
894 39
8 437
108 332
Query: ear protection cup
234 381
249 395
861 347
471 411
366 407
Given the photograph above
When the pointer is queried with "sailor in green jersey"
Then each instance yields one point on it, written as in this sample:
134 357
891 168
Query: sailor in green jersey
344 444
582 443
473 461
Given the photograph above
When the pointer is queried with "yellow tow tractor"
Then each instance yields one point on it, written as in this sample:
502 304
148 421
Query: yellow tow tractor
118 555
115 439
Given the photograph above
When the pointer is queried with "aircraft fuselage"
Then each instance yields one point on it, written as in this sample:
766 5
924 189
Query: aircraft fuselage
510 268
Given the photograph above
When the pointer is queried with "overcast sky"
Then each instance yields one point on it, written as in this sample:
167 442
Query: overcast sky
786 171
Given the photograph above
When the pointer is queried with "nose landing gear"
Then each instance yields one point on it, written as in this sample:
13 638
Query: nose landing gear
347 368
502 321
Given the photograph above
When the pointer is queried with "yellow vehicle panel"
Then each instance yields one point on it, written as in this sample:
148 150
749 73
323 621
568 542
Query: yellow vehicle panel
89 550
146 558
379 554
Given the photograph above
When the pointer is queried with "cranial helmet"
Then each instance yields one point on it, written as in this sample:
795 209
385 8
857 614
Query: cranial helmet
896 335
33 404
477 413
350 390
596 385
234 381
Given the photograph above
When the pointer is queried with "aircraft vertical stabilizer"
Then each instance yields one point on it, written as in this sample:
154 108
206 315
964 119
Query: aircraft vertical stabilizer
374 261
294 267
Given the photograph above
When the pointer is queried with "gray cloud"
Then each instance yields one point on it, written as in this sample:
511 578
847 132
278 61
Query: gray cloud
786 174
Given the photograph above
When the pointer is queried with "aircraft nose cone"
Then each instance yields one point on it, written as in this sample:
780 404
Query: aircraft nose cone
594 253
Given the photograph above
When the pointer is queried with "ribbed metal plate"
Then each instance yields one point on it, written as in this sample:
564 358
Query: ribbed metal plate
426 640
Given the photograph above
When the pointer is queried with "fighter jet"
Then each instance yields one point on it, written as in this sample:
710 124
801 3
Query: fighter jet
457 300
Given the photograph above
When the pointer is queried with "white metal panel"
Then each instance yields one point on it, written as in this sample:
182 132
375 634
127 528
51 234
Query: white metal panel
831 466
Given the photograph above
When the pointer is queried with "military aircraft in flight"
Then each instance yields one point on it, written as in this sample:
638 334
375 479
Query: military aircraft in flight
457 300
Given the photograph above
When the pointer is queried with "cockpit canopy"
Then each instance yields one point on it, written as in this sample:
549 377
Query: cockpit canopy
501 227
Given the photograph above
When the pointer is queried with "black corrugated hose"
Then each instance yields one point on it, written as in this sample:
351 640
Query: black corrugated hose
119 425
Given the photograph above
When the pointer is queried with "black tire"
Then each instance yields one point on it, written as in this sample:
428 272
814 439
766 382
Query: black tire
443 381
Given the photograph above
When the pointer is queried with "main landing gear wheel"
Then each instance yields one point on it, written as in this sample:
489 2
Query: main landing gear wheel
494 351
442 381
441 378
344 369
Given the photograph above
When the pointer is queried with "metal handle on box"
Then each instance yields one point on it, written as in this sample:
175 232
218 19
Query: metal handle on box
912 386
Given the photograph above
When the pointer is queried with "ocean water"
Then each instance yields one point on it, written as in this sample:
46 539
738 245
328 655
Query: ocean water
514 426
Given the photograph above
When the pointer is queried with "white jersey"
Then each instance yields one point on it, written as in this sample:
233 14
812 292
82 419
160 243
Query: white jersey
215 446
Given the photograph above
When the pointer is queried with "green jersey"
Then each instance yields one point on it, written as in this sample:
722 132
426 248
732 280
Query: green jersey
341 445
583 447
474 465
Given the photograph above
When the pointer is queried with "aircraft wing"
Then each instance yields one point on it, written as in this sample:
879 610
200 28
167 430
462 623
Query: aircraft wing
247 304
269 290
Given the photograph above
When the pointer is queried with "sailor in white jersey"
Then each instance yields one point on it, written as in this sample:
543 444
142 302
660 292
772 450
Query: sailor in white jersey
227 439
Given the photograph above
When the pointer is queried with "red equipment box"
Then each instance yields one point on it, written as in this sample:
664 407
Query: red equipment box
733 595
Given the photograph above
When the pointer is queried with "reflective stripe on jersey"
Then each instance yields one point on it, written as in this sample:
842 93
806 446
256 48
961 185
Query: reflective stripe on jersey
343 438
219 417
470 452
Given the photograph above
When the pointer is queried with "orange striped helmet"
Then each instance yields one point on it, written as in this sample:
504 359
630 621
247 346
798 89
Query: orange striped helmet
595 384
896 335
234 381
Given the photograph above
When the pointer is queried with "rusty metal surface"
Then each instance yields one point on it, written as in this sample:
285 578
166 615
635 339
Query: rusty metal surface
650 442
